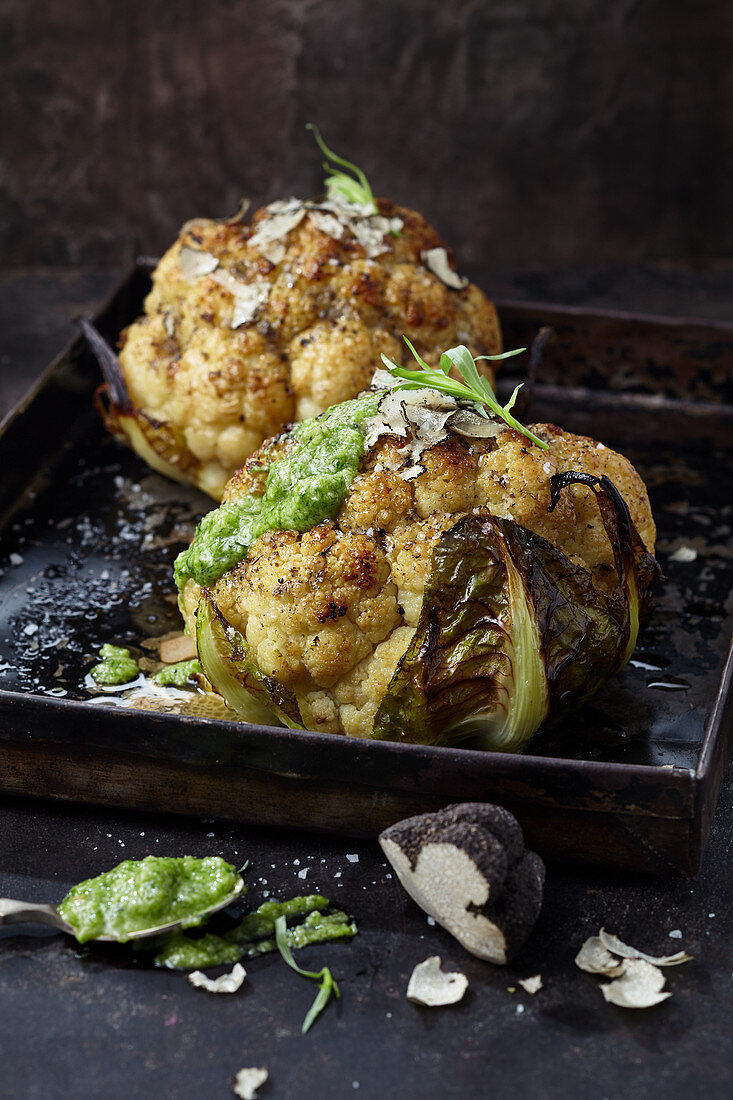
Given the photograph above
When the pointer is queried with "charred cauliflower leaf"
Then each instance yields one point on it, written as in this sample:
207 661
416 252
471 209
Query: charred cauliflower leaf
254 325
433 574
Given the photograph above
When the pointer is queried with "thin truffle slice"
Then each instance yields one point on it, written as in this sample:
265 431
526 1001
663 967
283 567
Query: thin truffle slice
595 958
466 866
432 987
614 944
639 986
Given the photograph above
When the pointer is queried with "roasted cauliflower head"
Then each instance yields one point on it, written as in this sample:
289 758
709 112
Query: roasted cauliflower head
250 326
433 576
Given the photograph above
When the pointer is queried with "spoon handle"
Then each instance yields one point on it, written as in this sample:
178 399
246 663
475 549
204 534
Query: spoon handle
25 912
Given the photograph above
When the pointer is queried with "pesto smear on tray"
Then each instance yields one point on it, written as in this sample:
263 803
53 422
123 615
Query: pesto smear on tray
140 894
116 666
255 934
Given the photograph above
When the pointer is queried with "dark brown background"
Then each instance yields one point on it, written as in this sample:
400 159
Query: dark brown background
544 132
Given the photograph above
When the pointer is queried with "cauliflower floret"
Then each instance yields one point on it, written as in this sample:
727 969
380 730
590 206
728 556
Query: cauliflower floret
311 606
326 311
350 341
513 482
329 613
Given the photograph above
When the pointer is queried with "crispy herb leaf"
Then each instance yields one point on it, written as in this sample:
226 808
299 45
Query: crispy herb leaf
474 388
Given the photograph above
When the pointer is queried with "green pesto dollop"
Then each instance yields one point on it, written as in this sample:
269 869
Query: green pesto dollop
145 893
177 675
116 666
182 952
304 488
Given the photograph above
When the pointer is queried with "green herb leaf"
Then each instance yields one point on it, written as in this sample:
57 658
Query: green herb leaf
339 185
474 388
328 985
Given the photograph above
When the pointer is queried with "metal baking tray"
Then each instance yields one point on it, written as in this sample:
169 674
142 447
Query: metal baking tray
88 535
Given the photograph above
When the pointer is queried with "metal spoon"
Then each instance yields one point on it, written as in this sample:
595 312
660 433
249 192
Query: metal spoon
28 912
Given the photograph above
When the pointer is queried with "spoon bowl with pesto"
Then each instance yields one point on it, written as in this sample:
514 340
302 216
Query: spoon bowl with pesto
137 899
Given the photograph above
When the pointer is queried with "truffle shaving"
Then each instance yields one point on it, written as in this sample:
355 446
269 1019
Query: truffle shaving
370 233
194 263
421 413
247 1081
594 958
639 986
248 297
614 944
426 415
327 223
433 987
225 983
329 217
436 260
384 380
370 229
469 423
531 985
276 226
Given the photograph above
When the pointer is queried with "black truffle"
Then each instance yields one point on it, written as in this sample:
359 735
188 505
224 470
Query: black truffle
468 868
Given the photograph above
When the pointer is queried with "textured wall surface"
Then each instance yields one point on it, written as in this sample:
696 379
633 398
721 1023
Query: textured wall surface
528 131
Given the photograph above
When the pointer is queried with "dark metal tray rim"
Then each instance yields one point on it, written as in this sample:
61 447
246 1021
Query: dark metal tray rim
523 768
532 306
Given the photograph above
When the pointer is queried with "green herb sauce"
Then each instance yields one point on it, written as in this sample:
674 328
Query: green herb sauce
177 675
116 666
304 488
245 941
184 953
140 894
261 922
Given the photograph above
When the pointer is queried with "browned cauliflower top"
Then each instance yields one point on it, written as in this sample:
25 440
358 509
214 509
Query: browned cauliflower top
320 303
330 612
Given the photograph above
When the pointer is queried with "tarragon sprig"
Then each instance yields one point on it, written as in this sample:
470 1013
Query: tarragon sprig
327 986
339 185
474 387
